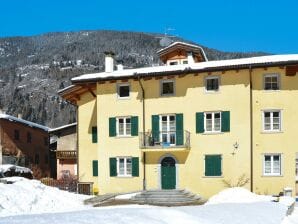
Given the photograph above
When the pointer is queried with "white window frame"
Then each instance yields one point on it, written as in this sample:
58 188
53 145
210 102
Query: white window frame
212 77
125 167
213 121
271 120
124 126
271 164
167 81
173 60
119 85
168 127
271 75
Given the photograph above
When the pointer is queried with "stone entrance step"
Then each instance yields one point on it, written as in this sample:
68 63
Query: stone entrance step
167 197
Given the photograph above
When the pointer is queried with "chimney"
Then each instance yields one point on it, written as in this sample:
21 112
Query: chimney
190 58
119 65
109 61
20 116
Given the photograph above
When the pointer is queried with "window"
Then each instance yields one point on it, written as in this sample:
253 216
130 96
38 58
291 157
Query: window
213 166
124 166
271 82
212 84
123 91
272 165
36 158
95 168
94 134
16 134
167 88
213 122
271 121
124 126
29 137
185 62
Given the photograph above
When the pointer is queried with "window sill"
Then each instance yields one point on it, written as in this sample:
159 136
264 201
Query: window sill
167 95
123 98
124 136
213 133
213 177
273 175
271 132
124 176
212 91
271 90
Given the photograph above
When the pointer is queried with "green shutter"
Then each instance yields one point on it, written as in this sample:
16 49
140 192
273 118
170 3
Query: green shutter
134 126
213 165
200 122
94 134
113 167
225 121
112 126
95 168
135 166
155 128
179 129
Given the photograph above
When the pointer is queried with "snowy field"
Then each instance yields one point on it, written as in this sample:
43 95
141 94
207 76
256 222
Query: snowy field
29 201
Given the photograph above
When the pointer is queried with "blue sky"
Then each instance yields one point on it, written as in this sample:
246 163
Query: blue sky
251 25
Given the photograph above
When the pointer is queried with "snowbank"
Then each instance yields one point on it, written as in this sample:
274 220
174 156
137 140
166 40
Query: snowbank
237 195
31 196
18 169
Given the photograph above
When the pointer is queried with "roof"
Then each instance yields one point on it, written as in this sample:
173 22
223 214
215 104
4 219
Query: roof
241 63
63 127
22 121
187 46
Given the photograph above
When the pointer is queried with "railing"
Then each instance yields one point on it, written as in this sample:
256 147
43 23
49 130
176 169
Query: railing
164 139
66 154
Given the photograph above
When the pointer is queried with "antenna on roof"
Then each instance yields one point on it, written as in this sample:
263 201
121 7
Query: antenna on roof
166 40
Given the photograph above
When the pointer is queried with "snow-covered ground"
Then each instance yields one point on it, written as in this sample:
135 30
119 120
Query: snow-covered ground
29 201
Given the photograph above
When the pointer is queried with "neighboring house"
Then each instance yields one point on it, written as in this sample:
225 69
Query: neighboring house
26 144
64 142
192 123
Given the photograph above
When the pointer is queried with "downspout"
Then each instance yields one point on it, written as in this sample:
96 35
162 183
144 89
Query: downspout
251 128
143 115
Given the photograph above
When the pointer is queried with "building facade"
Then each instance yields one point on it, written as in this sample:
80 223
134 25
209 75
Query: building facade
64 143
189 124
26 144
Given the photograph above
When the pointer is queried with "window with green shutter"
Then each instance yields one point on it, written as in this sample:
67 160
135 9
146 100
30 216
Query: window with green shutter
225 121
112 126
213 165
94 134
95 168
113 167
135 166
179 129
134 126
200 122
155 128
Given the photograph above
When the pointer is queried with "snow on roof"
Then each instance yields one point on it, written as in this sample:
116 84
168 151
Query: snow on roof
189 67
185 44
62 127
9 167
29 123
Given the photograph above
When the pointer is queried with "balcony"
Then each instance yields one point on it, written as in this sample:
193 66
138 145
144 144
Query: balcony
69 154
165 141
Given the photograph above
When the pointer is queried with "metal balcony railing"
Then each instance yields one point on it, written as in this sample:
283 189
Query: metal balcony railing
164 139
69 154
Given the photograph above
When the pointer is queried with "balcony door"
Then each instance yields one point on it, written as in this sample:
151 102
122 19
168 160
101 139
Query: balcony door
168 129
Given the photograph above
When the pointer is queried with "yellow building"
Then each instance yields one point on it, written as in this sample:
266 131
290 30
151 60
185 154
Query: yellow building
188 124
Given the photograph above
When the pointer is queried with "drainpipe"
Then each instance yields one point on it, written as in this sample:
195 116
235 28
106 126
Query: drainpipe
143 115
251 129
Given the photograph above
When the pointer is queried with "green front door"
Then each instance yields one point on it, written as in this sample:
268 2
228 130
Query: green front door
168 173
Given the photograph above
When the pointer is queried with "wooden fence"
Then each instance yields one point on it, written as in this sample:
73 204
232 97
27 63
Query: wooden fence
66 185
